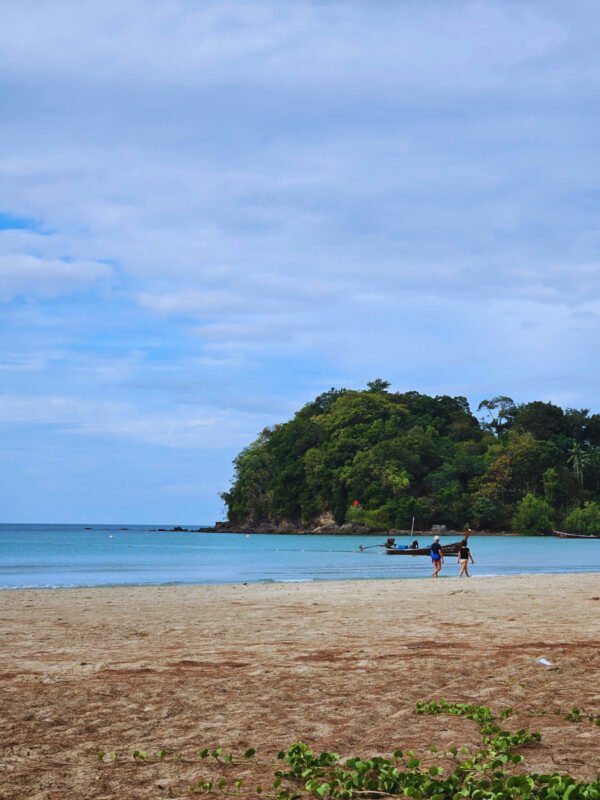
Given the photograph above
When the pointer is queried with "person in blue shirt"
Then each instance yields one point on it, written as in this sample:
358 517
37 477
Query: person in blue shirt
437 556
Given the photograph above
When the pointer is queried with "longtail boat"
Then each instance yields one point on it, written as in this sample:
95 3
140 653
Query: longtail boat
450 549
564 535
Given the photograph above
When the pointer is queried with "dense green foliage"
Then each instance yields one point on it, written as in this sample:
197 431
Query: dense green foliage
584 520
533 515
382 458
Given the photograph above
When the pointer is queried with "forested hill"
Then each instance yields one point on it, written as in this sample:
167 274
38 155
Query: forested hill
381 457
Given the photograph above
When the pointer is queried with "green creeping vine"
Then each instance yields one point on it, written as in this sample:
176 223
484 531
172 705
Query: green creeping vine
577 715
483 775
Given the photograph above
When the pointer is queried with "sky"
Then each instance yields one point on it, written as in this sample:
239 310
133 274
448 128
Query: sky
210 212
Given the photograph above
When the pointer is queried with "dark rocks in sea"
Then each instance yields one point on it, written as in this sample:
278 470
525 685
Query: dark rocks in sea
180 529
285 526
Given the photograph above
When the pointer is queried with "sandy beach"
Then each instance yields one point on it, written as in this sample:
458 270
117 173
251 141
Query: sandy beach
337 665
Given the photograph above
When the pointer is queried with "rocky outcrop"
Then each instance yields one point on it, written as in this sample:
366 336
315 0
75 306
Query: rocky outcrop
324 525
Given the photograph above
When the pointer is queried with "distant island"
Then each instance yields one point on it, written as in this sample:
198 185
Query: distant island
359 461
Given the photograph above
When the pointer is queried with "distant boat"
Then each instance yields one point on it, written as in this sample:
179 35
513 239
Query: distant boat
564 535
450 549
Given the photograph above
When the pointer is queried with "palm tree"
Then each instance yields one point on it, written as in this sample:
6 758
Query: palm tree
578 458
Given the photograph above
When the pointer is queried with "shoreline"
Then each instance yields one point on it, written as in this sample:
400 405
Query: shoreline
339 531
266 582
334 582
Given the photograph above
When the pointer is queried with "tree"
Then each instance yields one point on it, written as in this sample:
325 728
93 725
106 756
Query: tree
485 513
576 422
542 420
584 520
501 410
249 497
378 386
554 487
533 516
324 401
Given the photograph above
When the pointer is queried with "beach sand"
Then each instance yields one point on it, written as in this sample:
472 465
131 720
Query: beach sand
337 665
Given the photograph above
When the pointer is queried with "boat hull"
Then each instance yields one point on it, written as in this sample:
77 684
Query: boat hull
565 535
450 549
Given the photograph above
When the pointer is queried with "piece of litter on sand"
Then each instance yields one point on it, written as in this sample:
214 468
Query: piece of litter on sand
545 663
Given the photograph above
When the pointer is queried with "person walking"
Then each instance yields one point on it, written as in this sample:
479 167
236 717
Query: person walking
464 554
437 556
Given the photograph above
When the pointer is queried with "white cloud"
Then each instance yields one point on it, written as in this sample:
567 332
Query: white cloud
179 427
284 43
31 276
236 205
192 302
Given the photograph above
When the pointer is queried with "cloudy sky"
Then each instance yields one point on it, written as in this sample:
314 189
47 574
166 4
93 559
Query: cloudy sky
212 211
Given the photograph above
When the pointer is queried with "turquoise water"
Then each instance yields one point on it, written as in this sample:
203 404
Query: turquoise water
71 555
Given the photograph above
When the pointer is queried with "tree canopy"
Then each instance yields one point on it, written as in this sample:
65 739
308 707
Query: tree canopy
383 457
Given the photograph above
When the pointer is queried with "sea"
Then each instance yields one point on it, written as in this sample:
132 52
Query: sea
54 556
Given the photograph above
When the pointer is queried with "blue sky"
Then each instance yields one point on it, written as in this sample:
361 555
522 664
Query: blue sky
211 212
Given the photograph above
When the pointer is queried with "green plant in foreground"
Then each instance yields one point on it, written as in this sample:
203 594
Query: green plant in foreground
487 774
576 715
482 776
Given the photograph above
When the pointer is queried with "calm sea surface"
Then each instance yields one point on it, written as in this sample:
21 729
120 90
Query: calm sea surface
71 555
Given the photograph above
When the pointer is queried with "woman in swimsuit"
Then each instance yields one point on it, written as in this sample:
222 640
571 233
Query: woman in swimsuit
464 554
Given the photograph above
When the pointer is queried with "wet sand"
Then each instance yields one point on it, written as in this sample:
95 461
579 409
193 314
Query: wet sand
337 665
